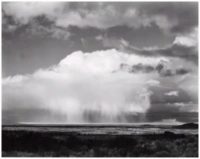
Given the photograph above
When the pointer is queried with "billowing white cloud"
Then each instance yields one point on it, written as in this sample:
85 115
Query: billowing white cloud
190 39
153 83
172 93
24 12
83 82
170 122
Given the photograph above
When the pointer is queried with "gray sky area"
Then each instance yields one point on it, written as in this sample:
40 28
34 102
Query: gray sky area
66 62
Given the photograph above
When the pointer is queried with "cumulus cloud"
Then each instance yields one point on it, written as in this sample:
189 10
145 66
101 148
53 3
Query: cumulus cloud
82 83
93 87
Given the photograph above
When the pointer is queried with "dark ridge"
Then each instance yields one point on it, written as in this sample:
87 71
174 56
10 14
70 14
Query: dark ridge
187 126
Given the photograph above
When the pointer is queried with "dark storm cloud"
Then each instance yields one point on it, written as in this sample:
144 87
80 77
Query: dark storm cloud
189 53
159 68
168 104
140 37
176 17
182 71
143 68
167 114
140 24
160 95
182 17
39 26
84 32
186 52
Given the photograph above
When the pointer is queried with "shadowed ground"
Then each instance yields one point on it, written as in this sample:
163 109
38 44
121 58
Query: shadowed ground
30 143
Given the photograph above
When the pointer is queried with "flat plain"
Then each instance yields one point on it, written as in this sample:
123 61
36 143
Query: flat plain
99 141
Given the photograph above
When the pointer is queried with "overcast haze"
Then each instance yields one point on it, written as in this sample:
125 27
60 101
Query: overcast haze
81 62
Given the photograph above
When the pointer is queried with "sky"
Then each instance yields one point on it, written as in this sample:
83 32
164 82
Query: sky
105 62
